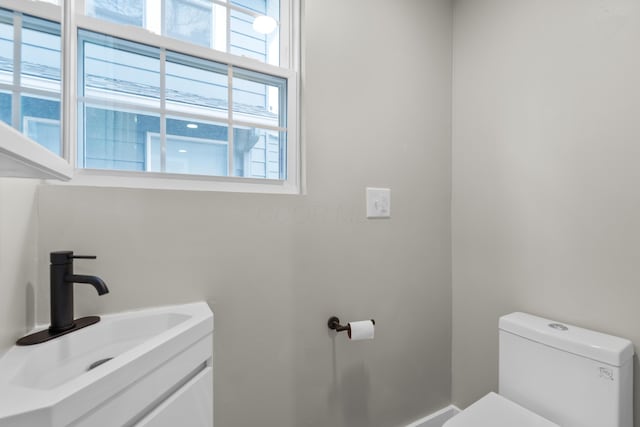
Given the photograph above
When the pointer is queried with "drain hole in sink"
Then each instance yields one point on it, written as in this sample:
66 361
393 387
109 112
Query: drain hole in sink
98 363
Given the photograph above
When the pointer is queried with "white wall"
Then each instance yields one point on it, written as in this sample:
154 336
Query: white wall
546 193
376 112
17 258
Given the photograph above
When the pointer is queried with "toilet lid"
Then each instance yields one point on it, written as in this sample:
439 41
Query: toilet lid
494 410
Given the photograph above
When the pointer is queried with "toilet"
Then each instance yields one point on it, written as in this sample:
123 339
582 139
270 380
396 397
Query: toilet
556 375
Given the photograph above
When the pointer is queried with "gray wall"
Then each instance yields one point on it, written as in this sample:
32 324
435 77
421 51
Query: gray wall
376 112
546 194
18 236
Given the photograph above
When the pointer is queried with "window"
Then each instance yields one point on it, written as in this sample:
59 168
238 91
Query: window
163 89
121 105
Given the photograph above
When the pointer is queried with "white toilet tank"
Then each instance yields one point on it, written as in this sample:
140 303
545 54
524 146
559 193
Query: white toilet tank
569 375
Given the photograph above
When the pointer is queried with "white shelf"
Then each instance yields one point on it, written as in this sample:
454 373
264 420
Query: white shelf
22 157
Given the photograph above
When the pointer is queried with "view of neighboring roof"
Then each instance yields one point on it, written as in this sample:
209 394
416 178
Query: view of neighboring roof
123 86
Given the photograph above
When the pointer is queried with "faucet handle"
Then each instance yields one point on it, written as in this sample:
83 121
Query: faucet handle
67 257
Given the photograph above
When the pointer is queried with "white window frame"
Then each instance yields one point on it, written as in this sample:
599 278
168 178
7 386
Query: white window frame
72 13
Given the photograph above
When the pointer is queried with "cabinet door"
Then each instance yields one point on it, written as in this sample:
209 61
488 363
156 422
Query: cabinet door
190 406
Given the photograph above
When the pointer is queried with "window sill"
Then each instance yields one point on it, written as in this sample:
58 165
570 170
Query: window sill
158 181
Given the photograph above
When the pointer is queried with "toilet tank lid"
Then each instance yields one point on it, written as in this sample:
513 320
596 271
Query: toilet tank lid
601 347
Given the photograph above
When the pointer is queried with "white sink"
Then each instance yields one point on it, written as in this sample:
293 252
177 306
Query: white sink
151 353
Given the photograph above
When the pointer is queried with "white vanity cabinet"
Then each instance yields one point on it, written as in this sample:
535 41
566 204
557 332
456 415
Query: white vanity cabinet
176 389
191 405
158 372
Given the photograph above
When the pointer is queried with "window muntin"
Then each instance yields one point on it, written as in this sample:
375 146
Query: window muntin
140 127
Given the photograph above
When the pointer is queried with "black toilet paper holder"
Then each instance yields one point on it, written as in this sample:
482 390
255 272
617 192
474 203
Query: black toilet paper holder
334 323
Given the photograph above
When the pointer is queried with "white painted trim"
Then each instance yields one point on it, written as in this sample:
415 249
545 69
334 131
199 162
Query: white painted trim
168 181
69 104
230 133
296 46
437 419
17 69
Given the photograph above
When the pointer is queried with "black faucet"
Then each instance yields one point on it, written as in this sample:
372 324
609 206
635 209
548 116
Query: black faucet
62 280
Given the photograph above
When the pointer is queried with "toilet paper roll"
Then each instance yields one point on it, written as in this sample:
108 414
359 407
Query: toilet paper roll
362 330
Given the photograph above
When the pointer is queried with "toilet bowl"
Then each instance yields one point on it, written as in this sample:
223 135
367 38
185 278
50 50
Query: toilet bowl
554 375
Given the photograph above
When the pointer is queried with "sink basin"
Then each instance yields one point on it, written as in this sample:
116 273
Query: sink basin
60 382
49 366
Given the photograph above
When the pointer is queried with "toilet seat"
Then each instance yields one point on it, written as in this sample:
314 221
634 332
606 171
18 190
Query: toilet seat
494 410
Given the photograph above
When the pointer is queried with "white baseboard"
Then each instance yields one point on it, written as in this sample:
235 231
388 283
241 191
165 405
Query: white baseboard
437 419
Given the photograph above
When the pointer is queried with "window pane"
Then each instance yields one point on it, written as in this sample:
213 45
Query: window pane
129 12
259 153
190 20
244 40
40 120
120 71
116 139
259 6
247 39
258 98
6 47
41 60
197 86
5 107
192 147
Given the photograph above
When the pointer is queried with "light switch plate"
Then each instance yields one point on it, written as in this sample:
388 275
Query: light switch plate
378 202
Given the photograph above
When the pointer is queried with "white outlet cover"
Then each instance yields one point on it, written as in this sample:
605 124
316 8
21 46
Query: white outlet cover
378 202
